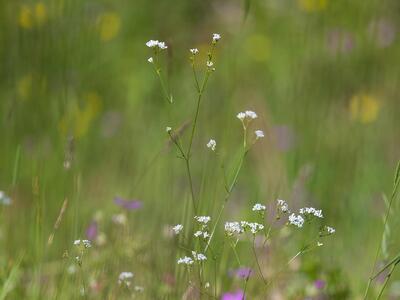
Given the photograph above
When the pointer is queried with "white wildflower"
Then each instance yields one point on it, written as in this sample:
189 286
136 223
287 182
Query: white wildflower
210 63
85 243
138 289
177 228
194 51
311 211
251 114
125 277
232 228
282 205
330 230
296 220
119 219
207 285
168 129
259 207
4 199
150 60
319 244
203 234
255 227
216 37
198 256
212 144
241 116
202 219
259 134
155 43
185 260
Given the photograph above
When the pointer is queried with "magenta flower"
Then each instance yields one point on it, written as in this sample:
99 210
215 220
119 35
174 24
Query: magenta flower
238 295
92 230
128 204
319 284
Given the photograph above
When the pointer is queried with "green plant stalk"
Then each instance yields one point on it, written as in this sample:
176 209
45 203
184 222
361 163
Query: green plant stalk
387 280
393 196
257 262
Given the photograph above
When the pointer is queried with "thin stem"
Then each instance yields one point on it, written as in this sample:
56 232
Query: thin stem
393 196
258 263
233 246
386 280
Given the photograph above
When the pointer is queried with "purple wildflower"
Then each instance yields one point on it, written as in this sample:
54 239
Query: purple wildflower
319 284
243 272
91 231
128 204
238 295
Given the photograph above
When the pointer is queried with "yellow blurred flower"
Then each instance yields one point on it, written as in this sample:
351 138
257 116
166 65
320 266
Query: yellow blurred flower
257 47
40 13
29 16
364 108
109 25
78 120
312 5
24 86
25 19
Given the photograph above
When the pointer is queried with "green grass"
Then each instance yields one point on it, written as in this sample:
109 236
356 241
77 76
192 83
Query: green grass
83 117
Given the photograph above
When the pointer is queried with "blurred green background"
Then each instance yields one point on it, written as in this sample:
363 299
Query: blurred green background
83 118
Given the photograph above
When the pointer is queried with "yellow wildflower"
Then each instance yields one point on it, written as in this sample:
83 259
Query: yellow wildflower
364 108
312 5
25 19
109 26
40 13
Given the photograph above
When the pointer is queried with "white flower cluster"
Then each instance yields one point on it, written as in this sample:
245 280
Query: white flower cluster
186 260
232 228
194 51
204 234
177 228
168 129
198 256
4 199
259 134
254 227
282 206
311 211
125 278
259 207
216 37
156 44
202 219
330 230
296 220
85 243
248 114
212 144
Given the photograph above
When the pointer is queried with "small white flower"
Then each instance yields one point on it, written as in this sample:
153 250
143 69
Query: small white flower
330 230
202 219
204 234
155 43
150 60
212 144
282 206
168 129
255 227
241 116
251 114
319 244
216 37
207 285
4 199
194 51
152 43
177 228
232 228
185 260
119 219
311 211
198 256
125 277
85 243
259 207
259 134
297 221
162 45
210 63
